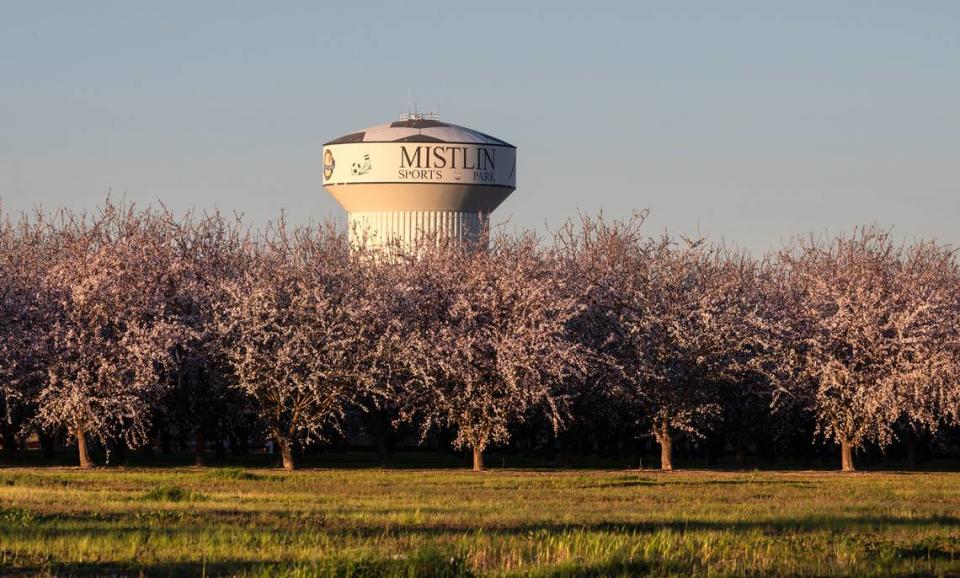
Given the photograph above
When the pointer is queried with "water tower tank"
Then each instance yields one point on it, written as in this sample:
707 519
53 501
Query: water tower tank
418 176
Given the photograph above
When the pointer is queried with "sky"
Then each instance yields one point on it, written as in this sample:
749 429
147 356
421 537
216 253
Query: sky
747 122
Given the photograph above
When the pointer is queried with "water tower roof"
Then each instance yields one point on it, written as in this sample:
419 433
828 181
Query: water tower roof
420 128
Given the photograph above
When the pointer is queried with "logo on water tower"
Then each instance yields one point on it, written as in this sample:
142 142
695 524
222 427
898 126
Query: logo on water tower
328 164
362 167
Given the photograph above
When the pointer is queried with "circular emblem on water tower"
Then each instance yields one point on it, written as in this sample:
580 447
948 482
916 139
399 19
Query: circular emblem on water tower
328 164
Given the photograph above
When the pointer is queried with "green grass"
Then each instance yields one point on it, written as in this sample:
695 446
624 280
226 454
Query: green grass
171 493
446 522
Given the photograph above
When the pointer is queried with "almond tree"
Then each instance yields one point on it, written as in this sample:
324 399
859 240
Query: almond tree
291 321
384 326
869 334
672 318
931 272
490 342
208 251
23 257
948 397
110 335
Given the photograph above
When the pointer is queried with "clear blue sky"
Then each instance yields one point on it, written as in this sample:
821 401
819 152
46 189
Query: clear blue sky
752 121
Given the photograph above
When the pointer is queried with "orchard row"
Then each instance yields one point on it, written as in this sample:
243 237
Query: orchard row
114 324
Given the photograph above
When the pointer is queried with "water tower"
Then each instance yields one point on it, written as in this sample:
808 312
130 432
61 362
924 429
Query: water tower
418 176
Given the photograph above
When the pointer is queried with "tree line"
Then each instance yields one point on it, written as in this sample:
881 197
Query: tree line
121 327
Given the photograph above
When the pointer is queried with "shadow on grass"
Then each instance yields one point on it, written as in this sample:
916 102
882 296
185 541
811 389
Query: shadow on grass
413 458
621 483
641 569
775 526
425 564
611 569
740 482
428 564
927 553
197 526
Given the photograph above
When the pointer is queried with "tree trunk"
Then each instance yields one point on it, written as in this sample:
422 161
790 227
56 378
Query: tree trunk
846 456
741 454
666 446
199 444
9 439
286 454
83 450
477 459
666 454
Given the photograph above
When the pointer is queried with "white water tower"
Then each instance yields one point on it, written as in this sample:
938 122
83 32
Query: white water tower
418 176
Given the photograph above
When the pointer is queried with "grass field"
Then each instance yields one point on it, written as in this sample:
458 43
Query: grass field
449 522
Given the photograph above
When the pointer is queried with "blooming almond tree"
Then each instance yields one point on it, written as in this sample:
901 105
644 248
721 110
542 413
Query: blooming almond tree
209 251
292 332
491 340
871 330
110 335
23 259
384 324
673 318
931 355
949 395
